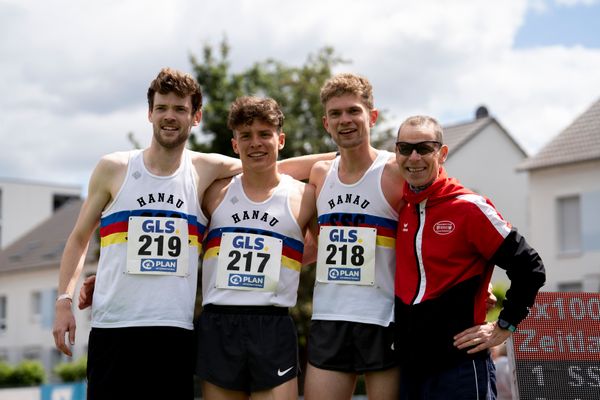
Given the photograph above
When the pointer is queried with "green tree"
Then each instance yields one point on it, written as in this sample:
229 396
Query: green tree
5 372
499 290
295 88
26 373
219 88
72 371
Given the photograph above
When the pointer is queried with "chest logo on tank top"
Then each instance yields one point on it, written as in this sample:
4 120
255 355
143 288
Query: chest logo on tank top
256 215
348 198
346 255
166 198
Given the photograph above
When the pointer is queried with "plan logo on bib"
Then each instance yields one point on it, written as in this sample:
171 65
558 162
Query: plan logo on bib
247 281
157 264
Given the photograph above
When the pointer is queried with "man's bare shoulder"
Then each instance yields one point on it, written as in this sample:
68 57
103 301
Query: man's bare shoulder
323 165
220 184
112 166
115 161
214 194
298 188
109 174
199 158
392 167
319 171
392 183
213 166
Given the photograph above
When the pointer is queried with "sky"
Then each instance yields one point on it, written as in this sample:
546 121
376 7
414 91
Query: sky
75 73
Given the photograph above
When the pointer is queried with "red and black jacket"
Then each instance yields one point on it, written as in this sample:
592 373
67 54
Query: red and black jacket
447 243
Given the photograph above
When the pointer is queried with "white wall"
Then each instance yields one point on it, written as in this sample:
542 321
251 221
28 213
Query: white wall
25 205
546 185
23 331
27 393
486 164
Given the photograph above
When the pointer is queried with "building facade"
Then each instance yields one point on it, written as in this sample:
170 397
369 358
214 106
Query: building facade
25 204
564 204
484 157
28 289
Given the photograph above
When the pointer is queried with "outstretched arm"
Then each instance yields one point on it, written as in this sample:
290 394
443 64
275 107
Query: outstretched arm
217 166
75 251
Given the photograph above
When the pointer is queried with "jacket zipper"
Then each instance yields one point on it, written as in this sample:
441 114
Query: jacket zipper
417 246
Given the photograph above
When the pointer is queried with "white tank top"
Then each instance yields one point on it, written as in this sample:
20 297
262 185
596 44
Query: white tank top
361 204
244 234
150 240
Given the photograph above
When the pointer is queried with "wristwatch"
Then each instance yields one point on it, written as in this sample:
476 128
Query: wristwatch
506 325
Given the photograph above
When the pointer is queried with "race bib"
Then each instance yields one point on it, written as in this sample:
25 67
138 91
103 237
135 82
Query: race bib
157 246
249 262
346 255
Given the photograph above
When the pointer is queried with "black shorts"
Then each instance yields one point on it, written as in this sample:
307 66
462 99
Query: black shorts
140 363
246 348
351 346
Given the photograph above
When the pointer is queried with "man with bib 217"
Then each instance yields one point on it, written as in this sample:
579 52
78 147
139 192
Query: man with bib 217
247 342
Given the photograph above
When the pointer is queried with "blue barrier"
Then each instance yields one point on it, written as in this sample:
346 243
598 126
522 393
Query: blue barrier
64 391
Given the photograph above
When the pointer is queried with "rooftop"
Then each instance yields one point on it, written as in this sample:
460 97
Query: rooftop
43 246
578 142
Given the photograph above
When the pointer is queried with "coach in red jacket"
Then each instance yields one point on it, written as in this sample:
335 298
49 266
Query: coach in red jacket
448 241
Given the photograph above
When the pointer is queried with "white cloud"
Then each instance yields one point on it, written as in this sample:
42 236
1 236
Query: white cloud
534 93
75 73
573 3
542 6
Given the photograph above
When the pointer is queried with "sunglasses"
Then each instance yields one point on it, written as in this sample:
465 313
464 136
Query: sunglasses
422 148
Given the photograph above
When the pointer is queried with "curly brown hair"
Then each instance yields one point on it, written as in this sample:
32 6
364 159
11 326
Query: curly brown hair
244 110
170 80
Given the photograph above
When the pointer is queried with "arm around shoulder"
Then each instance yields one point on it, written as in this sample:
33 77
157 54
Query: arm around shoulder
214 195
318 173
213 166
307 220
300 167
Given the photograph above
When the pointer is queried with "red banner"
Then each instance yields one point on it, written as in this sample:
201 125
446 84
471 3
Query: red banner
560 326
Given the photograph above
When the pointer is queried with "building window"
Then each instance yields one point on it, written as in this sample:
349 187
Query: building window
47 308
3 355
36 306
569 224
32 353
2 314
570 287
61 199
56 356
0 218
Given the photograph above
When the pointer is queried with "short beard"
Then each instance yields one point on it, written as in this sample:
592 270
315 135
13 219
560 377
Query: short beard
171 144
